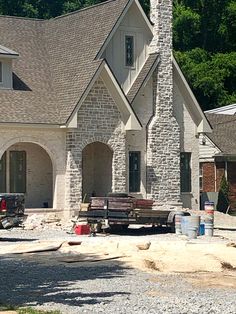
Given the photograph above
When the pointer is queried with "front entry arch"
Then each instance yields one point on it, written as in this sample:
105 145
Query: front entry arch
97 170
27 168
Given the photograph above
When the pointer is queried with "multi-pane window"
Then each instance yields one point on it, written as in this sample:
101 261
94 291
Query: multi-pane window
185 172
134 171
129 51
17 171
3 174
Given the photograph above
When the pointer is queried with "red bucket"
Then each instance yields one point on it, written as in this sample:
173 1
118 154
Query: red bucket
82 229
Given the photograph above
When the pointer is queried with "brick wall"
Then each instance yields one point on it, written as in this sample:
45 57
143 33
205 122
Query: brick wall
220 172
212 175
208 169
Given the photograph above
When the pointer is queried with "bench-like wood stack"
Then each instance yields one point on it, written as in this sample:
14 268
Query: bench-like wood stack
119 203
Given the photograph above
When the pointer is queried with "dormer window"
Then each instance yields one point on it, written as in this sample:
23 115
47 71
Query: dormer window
129 51
6 57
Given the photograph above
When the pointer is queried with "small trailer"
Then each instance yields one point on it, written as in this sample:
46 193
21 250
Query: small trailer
111 211
12 207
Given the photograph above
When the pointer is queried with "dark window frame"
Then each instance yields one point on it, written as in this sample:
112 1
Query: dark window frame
13 188
3 167
129 51
134 171
201 176
185 172
1 72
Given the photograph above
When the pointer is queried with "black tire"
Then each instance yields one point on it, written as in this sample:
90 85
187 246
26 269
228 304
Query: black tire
117 194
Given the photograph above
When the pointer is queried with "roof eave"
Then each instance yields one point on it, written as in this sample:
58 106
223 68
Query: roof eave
146 79
203 126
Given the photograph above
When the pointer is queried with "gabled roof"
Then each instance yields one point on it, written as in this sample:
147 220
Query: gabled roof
229 110
6 52
144 75
224 132
57 61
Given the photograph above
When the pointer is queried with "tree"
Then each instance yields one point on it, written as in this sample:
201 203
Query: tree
186 27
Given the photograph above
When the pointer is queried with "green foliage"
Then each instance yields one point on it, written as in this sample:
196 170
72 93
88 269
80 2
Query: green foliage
223 198
212 76
186 27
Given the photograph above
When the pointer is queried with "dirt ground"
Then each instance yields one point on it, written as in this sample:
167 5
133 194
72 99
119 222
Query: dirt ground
212 259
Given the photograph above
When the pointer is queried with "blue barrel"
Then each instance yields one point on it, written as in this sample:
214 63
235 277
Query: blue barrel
202 229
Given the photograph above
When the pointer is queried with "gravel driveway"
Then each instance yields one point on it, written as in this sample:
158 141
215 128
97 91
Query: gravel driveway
108 287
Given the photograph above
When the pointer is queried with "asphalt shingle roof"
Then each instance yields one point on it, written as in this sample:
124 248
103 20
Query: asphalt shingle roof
151 60
56 61
224 132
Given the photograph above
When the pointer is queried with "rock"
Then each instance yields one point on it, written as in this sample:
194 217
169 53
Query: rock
144 246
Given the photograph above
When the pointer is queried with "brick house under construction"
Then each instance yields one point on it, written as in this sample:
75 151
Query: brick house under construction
93 102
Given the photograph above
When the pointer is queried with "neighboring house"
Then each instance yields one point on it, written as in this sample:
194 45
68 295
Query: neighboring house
92 102
218 155
228 110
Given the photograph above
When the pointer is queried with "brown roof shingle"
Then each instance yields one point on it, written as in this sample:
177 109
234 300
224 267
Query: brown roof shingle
56 61
224 132
146 69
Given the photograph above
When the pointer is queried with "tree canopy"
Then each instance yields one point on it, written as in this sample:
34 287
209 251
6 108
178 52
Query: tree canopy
204 39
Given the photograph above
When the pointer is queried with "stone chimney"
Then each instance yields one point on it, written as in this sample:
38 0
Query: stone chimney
163 145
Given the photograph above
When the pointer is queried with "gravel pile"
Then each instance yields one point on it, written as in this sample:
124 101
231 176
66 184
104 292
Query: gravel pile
108 287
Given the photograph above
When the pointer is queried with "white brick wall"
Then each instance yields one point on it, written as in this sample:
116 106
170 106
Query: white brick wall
39 175
188 143
53 142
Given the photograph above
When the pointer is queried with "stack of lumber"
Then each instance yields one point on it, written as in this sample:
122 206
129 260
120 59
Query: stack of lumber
112 203
143 203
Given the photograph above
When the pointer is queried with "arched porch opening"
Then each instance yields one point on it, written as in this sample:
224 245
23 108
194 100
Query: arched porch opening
96 170
26 167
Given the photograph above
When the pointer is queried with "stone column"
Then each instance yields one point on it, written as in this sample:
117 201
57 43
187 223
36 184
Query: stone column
73 178
163 151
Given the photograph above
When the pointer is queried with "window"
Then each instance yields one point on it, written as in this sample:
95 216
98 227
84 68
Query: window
0 72
201 176
129 51
134 171
185 172
17 172
3 174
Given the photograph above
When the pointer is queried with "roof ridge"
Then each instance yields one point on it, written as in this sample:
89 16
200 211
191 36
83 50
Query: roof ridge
59 16
83 9
22 18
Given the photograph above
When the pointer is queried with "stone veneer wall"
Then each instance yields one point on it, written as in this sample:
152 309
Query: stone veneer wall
163 151
99 120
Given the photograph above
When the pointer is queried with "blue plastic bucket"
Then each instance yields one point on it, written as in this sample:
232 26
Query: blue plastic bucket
202 229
